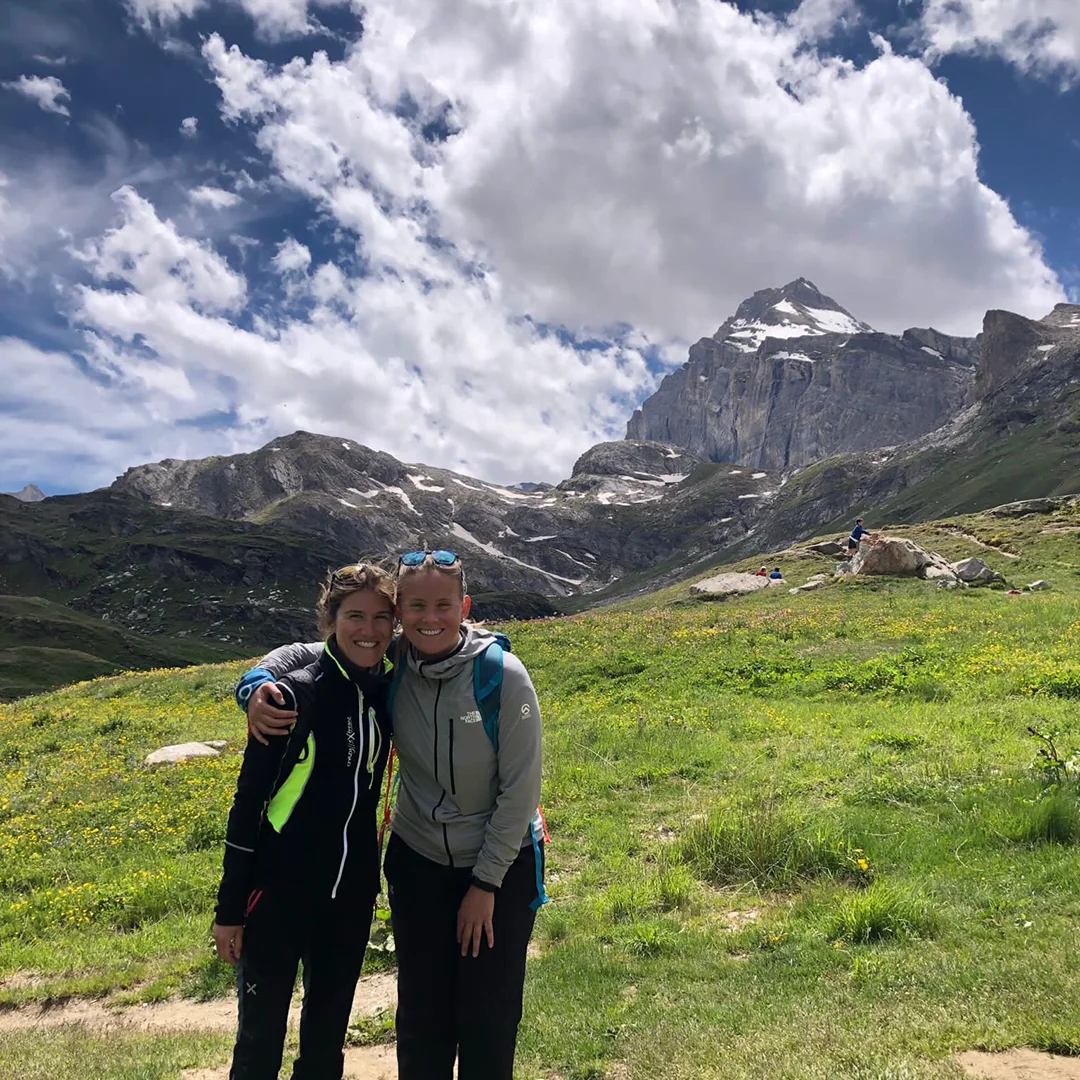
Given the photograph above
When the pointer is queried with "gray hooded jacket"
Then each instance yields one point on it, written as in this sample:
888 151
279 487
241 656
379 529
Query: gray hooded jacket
460 802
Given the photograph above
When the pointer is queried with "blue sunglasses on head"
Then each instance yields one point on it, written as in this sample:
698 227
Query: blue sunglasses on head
440 558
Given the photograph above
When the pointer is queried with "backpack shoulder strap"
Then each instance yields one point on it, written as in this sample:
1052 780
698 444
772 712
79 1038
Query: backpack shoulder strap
399 662
487 687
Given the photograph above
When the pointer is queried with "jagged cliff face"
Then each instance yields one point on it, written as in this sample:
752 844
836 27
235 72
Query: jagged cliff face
792 378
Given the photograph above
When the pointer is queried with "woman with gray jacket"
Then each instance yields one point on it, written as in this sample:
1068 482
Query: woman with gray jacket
464 863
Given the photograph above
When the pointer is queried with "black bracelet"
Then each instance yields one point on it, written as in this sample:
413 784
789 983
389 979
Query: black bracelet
485 885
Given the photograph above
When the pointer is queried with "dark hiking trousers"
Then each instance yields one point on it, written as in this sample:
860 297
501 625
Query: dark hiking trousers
331 944
451 1005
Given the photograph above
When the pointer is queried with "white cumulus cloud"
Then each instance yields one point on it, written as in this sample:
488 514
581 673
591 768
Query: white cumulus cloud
649 163
272 18
189 127
214 197
46 90
1035 35
292 256
159 264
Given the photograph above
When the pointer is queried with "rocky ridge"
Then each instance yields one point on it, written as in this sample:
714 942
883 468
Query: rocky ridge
792 378
601 523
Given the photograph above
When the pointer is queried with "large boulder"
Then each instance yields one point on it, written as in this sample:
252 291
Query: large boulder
170 755
730 585
897 557
827 547
890 555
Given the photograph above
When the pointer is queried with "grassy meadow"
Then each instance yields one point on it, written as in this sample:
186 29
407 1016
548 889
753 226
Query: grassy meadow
793 836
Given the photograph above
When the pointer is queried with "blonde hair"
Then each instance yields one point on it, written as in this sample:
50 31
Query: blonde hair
455 569
359 577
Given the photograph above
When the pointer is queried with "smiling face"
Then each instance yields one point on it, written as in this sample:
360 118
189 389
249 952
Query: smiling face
363 627
431 608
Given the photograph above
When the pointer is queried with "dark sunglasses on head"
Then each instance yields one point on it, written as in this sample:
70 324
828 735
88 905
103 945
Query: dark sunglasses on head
440 558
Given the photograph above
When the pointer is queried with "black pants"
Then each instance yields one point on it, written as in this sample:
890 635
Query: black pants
451 1005
330 940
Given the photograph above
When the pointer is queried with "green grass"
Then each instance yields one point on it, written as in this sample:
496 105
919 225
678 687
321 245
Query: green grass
795 837
71 1052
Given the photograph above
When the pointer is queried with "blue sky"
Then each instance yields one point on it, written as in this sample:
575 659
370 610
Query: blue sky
477 237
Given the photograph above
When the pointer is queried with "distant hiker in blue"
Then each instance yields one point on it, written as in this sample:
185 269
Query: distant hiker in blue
301 866
856 535
465 861
776 575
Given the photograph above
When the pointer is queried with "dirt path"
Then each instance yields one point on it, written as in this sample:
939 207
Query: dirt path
364 1063
976 540
372 994
1019 1065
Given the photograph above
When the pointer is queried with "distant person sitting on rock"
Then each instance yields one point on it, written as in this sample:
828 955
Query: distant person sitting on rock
301 850
762 573
776 575
856 536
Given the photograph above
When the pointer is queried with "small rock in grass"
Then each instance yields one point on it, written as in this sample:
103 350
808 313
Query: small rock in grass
169 755
1039 586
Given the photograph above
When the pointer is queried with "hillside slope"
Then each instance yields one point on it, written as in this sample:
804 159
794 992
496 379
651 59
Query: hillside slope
827 803
44 645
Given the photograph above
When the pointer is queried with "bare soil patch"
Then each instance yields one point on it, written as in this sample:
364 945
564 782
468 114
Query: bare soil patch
736 920
373 993
1019 1065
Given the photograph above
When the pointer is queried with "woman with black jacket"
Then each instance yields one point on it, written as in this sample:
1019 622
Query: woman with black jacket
301 867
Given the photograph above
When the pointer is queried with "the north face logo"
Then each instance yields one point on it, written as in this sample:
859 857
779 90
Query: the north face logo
473 717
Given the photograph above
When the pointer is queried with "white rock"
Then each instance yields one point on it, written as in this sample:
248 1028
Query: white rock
183 751
730 585
1039 586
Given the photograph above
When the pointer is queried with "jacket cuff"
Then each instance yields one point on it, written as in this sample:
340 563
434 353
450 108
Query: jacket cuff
485 885
247 684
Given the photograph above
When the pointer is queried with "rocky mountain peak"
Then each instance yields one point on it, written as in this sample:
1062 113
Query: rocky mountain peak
797 309
30 493
793 377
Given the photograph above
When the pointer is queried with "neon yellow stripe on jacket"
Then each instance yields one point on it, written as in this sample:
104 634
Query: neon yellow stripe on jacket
288 795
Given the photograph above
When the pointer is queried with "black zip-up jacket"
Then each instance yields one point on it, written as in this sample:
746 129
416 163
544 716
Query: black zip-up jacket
303 821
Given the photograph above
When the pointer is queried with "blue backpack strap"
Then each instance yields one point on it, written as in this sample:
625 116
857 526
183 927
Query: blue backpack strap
399 663
487 686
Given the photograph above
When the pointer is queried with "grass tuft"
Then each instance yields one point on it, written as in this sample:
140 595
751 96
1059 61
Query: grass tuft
767 846
879 913
1051 820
